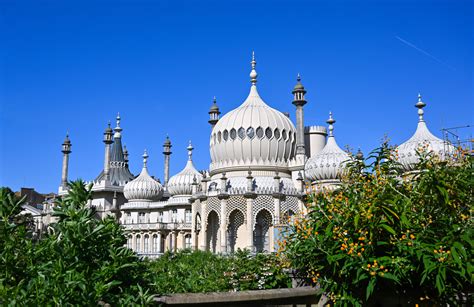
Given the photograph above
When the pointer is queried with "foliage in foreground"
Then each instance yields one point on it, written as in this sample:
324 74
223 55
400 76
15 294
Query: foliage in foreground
191 272
82 261
379 235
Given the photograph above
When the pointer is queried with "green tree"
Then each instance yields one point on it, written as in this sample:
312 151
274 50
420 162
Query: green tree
382 234
81 261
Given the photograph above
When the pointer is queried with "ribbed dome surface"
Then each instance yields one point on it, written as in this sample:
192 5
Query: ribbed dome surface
253 134
143 188
182 183
327 164
422 140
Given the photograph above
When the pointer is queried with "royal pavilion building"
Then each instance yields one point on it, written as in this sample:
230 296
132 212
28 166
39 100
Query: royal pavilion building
261 165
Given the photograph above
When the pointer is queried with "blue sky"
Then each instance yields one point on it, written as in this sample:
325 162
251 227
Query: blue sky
72 65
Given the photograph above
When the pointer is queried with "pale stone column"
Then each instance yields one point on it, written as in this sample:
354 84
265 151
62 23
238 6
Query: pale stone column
173 241
277 210
183 239
203 232
159 242
250 245
223 225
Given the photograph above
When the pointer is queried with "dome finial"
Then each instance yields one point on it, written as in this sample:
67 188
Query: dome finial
420 105
118 129
145 158
190 151
331 122
253 73
298 77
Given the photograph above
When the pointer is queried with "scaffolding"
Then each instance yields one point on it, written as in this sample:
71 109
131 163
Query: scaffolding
460 137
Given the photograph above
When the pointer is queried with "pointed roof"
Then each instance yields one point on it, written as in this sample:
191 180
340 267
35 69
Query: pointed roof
119 174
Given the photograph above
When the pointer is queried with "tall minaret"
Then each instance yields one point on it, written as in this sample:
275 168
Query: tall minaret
214 113
299 101
167 152
108 139
66 150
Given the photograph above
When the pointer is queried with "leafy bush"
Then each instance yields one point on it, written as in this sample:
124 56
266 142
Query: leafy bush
197 271
381 235
82 261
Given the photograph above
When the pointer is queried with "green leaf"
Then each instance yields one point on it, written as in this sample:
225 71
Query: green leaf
370 288
388 228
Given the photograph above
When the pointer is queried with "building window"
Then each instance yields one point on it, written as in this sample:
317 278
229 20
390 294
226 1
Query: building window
250 132
233 134
128 218
241 133
160 217
145 243
187 241
141 217
268 133
174 215
226 135
155 243
138 239
129 242
259 132
277 133
187 216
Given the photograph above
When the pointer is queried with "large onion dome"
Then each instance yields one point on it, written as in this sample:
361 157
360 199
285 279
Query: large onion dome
253 134
422 140
182 183
143 188
327 166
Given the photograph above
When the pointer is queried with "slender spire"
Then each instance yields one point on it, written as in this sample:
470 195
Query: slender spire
117 129
331 122
253 73
145 158
190 151
420 105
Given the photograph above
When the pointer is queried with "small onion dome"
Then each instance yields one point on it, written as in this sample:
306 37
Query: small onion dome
253 134
359 155
298 87
182 183
143 188
328 164
214 108
422 140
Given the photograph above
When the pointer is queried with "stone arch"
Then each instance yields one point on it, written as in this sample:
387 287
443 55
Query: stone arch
212 231
263 230
235 230
198 222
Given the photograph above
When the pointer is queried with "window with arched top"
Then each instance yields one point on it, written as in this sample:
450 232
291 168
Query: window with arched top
146 242
250 132
277 133
233 134
155 243
259 132
283 134
187 241
241 133
219 137
138 240
225 135
268 133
